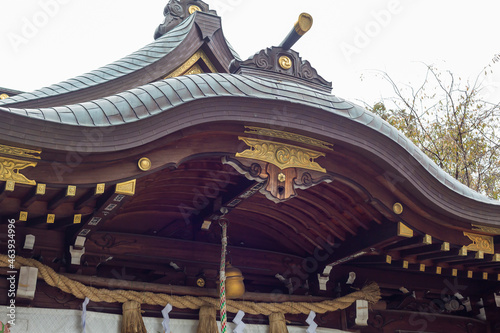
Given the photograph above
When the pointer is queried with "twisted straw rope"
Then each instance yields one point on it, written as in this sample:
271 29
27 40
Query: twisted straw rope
370 292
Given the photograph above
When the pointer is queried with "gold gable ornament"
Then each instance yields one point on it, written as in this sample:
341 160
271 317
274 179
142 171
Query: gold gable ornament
480 243
281 155
259 131
10 170
194 66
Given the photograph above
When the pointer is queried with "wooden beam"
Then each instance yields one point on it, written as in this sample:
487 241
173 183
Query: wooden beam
368 241
409 243
186 291
61 197
426 249
7 189
453 253
107 207
141 248
90 196
390 278
490 261
36 193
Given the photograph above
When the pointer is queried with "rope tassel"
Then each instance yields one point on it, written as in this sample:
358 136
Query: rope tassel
207 322
277 323
132 319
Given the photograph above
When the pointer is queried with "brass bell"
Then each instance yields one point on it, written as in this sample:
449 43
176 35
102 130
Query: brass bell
235 287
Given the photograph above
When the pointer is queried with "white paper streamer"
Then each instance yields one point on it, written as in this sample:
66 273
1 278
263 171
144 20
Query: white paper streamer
352 277
84 313
240 325
166 320
312 324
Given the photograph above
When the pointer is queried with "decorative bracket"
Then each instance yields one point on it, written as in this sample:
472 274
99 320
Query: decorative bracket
10 167
279 185
480 243
10 170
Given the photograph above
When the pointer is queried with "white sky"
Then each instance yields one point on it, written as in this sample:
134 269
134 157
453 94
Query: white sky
81 35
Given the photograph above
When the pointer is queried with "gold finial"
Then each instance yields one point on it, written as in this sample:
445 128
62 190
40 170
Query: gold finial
4 96
303 24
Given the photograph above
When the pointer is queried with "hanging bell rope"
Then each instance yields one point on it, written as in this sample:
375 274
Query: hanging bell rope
370 292
222 296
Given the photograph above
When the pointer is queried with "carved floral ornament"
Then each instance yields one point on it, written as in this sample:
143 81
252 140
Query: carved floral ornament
279 167
480 243
10 167
288 136
489 230
281 155
9 170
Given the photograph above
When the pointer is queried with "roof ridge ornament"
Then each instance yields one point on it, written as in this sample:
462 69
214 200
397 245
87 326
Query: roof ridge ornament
280 62
177 10
277 63
300 28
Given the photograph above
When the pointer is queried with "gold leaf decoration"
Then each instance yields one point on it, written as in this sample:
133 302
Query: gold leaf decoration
10 170
282 155
126 188
480 243
189 66
194 8
285 62
488 230
21 152
288 136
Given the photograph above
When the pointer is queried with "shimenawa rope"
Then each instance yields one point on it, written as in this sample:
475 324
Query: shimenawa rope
370 292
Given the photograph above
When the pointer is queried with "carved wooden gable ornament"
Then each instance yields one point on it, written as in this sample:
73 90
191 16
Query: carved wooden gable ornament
283 167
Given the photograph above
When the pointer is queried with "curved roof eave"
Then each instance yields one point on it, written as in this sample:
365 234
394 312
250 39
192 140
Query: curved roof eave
159 97
135 62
